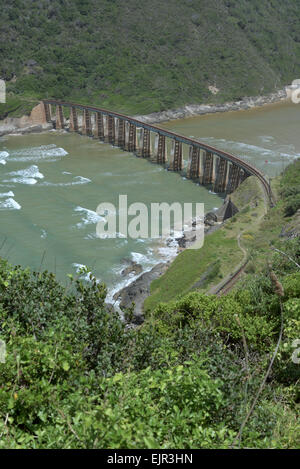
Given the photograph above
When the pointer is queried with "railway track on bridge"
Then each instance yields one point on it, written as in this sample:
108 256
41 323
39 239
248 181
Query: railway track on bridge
236 161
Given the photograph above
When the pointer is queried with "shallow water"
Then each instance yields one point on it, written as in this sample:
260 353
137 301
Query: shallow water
52 183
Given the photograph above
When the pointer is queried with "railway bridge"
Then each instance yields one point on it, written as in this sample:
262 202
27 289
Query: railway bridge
207 165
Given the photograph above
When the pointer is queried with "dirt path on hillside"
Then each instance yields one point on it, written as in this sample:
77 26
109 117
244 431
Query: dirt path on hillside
231 279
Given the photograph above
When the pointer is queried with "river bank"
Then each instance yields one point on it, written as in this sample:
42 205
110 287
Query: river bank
194 110
132 296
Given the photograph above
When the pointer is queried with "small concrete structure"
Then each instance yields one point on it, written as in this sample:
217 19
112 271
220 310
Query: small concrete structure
228 210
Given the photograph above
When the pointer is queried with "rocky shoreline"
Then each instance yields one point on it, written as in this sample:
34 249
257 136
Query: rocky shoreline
194 110
139 289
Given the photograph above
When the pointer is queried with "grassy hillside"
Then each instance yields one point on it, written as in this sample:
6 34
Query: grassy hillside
259 232
143 56
203 268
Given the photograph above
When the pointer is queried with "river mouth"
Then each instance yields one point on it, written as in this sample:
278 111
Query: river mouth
52 183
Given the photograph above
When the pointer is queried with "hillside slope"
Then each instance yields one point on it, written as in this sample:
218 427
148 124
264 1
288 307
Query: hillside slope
145 56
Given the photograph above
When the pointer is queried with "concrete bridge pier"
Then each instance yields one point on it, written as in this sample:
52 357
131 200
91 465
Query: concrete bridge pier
73 120
144 143
60 122
176 156
160 149
111 129
208 165
47 109
193 163
221 175
87 123
146 153
132 138
105 128
99 126
121 133
233 178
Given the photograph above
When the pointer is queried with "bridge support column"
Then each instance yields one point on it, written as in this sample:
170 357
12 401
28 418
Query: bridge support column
73 120
233 178
144 144
87 123
193 163
176 156
99 126
160 149
221 175
121 133
47 110
208 164
111 129
132 137
60 123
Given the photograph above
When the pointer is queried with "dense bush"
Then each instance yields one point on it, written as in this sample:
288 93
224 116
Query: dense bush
77 377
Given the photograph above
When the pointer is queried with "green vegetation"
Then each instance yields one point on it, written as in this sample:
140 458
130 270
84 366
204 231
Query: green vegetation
76 377
203 268
141 56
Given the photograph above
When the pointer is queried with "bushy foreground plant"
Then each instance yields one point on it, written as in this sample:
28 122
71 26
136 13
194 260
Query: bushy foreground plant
76 377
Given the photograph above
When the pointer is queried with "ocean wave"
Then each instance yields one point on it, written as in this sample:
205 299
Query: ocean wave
9 204
3 156
25 176
79 180
7 194
30 172
47 153
247 150
89 217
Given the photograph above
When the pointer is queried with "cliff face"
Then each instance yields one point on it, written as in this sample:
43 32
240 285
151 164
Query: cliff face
144 56
35 122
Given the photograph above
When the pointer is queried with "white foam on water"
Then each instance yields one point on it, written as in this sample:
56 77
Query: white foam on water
44 234
82 180
29 181
78 181
26 176
89 217
9 204
47 153
266 138
7 194
245 150
141 258
3 156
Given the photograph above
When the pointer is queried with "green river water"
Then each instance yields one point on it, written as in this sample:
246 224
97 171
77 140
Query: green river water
52 183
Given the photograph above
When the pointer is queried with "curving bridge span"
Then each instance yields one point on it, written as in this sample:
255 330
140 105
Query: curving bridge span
217 169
